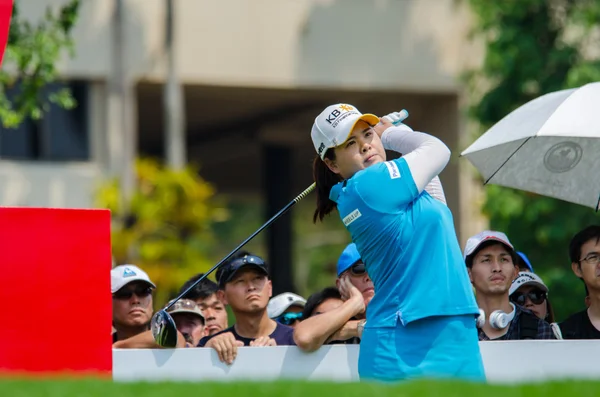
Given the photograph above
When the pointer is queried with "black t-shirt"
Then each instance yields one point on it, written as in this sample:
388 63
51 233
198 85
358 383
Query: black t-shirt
283 335
579 326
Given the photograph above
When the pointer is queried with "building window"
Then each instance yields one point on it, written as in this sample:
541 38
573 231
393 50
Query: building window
61 135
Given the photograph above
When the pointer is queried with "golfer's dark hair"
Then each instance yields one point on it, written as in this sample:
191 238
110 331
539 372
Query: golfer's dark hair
203 290
513 254
325 179
317 298
585 235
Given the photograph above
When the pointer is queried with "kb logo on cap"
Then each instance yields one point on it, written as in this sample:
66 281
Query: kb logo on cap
335 114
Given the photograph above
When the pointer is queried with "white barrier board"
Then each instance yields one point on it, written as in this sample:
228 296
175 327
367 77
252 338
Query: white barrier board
504 361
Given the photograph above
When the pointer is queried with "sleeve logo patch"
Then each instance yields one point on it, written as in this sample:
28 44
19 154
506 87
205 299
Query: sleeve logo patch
392 169
351 217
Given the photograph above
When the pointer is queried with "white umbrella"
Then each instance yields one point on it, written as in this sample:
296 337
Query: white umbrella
549 146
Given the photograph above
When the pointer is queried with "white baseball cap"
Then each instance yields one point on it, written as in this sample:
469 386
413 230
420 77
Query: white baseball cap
334 124
527 278
280 303
475 241
122 275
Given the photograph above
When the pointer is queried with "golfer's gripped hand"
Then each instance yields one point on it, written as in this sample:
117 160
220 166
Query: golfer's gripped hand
263 341
388 121
226 346
352 295
394 117
383 125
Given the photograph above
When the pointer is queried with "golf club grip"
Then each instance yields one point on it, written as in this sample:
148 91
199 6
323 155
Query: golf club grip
403 115
305 192
260 229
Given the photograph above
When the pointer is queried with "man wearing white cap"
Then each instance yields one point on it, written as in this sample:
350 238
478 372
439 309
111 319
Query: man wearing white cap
132 309
286 308
492 265
132 301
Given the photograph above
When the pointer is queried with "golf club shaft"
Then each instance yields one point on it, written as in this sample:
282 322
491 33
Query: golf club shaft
260 229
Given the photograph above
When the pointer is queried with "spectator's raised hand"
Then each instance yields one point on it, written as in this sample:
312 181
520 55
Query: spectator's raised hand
351 294
226 346
263 341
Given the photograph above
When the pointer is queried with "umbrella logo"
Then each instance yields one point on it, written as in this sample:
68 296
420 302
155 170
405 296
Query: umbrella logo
562 157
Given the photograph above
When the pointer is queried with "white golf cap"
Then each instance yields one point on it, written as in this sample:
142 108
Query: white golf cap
334 124
122 275
527 278
280 303
475 241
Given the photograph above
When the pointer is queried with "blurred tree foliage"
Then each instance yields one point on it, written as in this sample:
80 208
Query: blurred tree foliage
316 247
534 47
29 64
169 229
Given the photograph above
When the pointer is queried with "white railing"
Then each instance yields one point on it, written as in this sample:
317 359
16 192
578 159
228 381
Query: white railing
504 361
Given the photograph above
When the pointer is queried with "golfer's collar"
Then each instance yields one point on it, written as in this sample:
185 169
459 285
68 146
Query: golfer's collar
336 190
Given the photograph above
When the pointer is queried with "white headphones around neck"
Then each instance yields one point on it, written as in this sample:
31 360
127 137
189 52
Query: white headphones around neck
498 319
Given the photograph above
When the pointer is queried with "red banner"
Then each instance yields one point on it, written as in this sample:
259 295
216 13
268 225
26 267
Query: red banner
55 291
5 13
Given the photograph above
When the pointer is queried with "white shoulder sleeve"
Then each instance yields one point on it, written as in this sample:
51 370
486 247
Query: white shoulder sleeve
435 189
425 154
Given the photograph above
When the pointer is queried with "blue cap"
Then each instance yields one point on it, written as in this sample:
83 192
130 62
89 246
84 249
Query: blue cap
348 258
526 260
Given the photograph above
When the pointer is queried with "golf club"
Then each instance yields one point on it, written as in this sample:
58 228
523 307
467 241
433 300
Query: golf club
162 325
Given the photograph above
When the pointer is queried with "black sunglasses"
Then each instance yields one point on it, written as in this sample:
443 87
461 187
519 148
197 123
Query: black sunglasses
246 260
226 271
140 292
358 269
536 297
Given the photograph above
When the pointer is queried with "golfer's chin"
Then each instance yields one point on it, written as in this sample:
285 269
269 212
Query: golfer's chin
376 159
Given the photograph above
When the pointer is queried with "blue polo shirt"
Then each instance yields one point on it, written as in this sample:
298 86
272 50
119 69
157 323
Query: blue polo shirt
408 244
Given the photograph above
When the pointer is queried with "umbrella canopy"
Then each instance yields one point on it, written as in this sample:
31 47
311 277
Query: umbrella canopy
549 146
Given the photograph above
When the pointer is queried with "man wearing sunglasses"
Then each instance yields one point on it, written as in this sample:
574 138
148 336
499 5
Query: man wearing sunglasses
529 291
491 262
584 252
132 301
286 308
245 286
350 265
344 323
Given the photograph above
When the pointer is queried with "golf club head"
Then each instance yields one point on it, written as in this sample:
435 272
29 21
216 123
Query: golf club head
163 329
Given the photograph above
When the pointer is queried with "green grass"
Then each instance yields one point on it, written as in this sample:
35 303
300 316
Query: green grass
92 388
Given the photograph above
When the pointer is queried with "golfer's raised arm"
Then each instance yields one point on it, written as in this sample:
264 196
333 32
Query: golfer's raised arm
425 155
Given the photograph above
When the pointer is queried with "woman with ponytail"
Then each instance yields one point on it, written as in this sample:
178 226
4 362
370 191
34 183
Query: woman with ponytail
421 321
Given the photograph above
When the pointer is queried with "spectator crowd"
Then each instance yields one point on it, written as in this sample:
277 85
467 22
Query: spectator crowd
514 301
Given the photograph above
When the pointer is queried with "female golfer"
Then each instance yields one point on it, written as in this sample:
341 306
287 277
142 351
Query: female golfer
421 321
